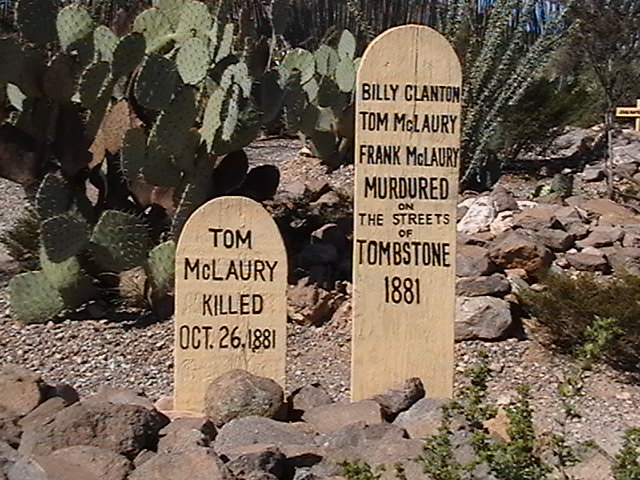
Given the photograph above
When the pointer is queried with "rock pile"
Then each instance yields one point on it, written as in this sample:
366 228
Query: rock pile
247 432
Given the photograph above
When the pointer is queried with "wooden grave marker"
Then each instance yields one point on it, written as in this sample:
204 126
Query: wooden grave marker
231 308
407 157
632 112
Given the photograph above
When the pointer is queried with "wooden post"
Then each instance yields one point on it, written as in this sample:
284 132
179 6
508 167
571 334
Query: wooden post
231 308
633 112
407 159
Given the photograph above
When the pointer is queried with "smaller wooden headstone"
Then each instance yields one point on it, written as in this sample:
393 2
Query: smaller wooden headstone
630 112
231 280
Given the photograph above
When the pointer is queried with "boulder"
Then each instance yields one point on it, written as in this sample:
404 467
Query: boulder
478 217
356 435
10 430
238 393
484 318
308 304
473 261
590 260
48 468
306 398
593 173
259 430
516 249
624 260
399 399
20 389
503 200
423 418
99 462
537 218
555 239
43 412
493 285
602 236
124 429
245 460
194 464
327 418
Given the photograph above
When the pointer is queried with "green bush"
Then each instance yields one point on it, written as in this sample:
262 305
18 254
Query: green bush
567 307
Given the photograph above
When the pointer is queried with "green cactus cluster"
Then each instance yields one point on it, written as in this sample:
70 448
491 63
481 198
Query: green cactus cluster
136 131
317 94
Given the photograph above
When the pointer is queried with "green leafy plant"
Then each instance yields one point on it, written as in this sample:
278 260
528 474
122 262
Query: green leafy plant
358 470
627 461
567 311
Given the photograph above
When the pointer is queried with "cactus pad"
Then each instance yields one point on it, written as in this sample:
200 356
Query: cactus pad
271 95
302 61
231 115
73 24
92 82
171 130
328 92
119 241
326 60
225 45
159 168
132 157
105 42
230 171
53 197
59 81
160 265
212 121
280 11
33 298
156 82
193 61
64 236
36 20
155 26
347 45
171 8
195 21
345 75
128 54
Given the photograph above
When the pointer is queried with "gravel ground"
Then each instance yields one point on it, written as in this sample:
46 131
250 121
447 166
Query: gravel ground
127 350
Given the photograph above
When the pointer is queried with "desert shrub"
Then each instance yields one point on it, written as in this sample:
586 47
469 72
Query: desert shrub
567 307
627 461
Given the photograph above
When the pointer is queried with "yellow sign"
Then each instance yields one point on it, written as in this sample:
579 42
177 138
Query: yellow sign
407 157
231 307
633 112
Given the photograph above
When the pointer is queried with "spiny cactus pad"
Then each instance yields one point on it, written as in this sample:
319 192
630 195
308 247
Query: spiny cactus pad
171 130
160 265
155 26
271 95
225 43
73 23
92 82
231 115
328 92
347 45
300 60
132 157
345 75
193 61
156 82
212 120
33 298
159 168
128 54
119 241
64 236
195 21
105 42
171 8
59 81
326 60
53 197
36 20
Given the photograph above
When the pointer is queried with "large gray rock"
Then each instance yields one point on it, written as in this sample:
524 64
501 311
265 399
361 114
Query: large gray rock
602 236
422 419
194 464
556 240
186 432
625 260
399 399
259 430
537 218
124 429
493 285
48 468
503 200
478 217
328 418
306 398
103 464
515 249
10 430
485 318
359 434
20 389
590 260
473 261
238 393
243 461
308 304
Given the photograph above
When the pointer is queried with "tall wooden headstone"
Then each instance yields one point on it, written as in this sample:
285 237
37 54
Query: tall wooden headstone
407 157
231 279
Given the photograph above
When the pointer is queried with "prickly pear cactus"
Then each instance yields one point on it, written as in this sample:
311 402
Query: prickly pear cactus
119 241
73 24
35 20
33 297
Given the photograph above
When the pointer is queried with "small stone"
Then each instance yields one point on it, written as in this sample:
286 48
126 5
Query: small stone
399 399
485 318
493 285
327 418
306 398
